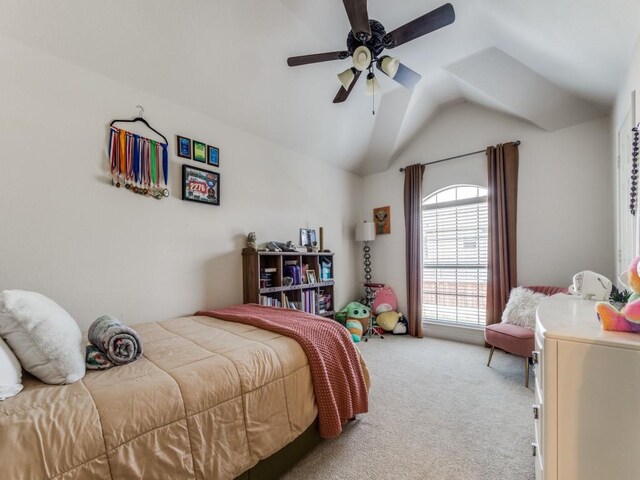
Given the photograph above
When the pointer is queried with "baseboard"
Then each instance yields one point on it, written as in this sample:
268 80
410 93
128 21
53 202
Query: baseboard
454 333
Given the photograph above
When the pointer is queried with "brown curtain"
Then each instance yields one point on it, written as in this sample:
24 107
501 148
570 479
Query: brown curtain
413 226
503 206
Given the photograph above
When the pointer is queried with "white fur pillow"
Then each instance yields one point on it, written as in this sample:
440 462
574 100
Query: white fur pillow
43 336
521 308
10 372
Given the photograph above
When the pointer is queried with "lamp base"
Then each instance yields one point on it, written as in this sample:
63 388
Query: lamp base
367 274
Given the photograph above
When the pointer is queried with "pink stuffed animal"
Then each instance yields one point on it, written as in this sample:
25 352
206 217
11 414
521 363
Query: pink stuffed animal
385 301
628 318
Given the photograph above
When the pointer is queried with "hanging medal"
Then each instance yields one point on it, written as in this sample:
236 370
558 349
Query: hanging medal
136 162
154 166
114 148
165 169
122 155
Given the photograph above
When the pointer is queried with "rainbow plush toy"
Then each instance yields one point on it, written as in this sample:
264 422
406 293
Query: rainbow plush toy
355 329
628 318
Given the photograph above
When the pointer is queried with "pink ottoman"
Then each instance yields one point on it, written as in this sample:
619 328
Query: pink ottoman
513 339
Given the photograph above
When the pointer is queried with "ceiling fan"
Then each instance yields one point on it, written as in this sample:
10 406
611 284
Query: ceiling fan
366 42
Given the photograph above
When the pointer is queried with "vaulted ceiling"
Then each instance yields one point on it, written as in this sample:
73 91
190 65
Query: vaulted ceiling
553 63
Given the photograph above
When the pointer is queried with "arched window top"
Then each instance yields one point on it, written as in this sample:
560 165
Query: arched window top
455 194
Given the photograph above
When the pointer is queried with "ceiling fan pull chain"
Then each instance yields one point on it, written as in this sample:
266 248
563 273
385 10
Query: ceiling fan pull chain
373 101
373 97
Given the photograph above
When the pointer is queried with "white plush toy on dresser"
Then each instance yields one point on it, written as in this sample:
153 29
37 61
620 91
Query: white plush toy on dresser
590 285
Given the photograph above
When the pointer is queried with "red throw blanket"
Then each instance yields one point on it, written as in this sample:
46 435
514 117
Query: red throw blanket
338 380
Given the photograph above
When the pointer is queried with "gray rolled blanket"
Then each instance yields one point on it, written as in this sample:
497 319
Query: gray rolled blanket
121 344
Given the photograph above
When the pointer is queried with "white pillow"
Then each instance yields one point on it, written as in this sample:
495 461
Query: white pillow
43 336
521 308
10 372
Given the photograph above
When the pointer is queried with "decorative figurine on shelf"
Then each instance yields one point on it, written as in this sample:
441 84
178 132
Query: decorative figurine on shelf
251 241
314 247
273 247
281 247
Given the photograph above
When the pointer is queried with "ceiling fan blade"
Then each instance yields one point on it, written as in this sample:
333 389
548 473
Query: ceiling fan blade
344 94
316 58
438 18
358 18
407 77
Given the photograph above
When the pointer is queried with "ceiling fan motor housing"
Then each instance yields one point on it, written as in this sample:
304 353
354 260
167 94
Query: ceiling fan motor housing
375 43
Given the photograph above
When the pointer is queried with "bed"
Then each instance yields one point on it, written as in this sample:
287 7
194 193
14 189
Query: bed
209 399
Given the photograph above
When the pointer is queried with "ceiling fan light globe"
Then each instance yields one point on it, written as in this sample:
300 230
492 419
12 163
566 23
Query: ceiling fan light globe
372 85
347 77
389 65
362 58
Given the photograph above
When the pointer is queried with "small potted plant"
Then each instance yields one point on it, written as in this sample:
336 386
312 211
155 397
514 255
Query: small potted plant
619 298
315 247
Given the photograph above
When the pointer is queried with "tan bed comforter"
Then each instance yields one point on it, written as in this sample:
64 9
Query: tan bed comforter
208 399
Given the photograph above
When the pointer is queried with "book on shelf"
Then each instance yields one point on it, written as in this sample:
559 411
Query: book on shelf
269 301
309 301
325 269
293 271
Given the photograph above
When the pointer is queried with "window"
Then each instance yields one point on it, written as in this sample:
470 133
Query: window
454 243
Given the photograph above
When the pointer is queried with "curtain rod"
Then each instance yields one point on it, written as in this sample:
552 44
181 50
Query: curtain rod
517 142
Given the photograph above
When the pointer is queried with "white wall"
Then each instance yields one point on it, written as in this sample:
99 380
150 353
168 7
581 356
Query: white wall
629 84
564 199
66 232
622 107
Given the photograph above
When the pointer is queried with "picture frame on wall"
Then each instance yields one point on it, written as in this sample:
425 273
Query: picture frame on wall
183 147
304 237
382 220
312 236
199 185
199 151
213 156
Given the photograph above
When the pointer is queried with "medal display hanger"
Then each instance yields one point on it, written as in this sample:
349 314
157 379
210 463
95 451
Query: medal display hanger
138 163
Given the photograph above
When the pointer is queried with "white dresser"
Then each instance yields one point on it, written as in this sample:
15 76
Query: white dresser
587 406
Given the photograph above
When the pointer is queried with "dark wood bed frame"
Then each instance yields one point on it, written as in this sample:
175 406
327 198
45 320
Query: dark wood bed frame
273 467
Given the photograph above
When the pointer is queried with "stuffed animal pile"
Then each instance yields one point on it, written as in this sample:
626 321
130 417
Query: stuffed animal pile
628 318
356 317
385 306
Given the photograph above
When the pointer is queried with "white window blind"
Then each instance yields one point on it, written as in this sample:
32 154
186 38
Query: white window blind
455 255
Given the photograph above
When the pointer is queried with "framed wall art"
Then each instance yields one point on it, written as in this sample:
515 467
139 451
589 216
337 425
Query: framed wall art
382 219
199 151
213 156
183 146
200 185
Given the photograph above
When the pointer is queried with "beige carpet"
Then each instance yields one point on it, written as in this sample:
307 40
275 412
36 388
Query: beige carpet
436 412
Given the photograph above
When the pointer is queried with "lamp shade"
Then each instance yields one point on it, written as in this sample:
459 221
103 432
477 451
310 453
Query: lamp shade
346 78
372 85
362 58
365 232
389 65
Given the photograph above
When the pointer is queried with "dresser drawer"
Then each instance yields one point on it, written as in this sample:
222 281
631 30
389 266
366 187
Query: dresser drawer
537 422
539 470
538 371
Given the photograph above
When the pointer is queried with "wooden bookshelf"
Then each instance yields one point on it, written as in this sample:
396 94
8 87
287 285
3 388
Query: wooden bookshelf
264 276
